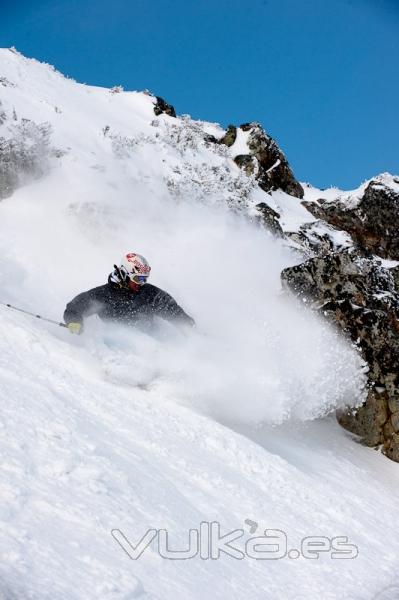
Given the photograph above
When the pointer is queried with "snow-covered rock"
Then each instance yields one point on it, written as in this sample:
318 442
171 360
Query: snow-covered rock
258 154
370 215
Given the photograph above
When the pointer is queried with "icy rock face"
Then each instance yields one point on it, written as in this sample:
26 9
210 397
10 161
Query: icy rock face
362 297
373 221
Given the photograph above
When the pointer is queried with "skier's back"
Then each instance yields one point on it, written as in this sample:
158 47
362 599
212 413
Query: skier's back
126 298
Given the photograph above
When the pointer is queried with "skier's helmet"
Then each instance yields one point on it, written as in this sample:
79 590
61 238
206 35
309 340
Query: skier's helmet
134 267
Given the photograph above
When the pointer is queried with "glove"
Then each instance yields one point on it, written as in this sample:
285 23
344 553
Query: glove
76 328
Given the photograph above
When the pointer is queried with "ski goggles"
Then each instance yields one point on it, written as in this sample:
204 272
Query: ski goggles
140 279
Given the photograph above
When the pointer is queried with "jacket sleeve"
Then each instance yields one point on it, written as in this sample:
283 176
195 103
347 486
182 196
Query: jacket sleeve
81 306
167 308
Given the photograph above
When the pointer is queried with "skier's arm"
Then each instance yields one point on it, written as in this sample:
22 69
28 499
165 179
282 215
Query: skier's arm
167 308
83 305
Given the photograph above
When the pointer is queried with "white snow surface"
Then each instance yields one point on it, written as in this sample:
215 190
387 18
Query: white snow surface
124 430
240 144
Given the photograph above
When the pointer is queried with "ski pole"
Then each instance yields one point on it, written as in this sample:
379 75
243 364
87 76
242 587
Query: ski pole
26 312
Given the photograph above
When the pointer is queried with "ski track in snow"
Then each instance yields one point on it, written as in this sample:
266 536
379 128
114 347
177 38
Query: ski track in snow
121 429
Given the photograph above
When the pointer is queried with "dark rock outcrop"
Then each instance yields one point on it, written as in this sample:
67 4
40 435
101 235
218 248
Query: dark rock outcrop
247 163
229 137
369 421
395 275
162 107
374 220
271 169
274 171
269 218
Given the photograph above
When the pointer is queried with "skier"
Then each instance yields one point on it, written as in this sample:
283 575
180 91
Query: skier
126 298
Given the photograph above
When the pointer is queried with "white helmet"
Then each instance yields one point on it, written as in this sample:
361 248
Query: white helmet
133 267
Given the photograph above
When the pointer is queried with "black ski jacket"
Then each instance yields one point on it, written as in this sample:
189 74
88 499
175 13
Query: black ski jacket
115 303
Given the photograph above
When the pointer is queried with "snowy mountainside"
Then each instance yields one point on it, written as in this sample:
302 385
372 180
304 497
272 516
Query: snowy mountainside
122 431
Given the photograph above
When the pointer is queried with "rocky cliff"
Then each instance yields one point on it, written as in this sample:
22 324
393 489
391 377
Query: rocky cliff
355 285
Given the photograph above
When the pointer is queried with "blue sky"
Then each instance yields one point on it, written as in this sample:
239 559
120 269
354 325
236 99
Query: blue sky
321 76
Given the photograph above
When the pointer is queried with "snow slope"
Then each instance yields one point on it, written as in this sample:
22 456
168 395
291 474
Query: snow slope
122 430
